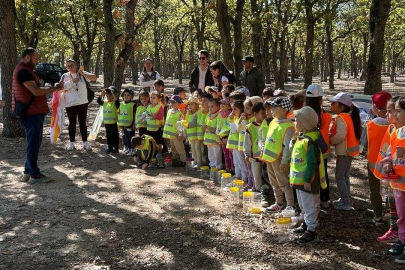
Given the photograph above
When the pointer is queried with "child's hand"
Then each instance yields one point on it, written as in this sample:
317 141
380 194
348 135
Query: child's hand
307 186
283 167
242 117
136 159
247 160
145 166
102 93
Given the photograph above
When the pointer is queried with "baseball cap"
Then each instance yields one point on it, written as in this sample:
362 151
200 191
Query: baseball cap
314 90
193 100
113 89
380 99
255 99
244 90
307 117
212 88
249 58
176 98
283 102
342 98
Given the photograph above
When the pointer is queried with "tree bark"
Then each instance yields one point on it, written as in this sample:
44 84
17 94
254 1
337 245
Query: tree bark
224 27
98 58
309 45
341 63
329 50
292 50
237 35
364 58
156 37
256 34
8 61
379 13
108 56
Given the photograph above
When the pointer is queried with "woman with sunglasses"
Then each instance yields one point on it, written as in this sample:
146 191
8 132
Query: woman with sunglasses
76 94
201 75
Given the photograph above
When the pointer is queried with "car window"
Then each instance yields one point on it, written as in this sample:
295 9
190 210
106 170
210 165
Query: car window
57 68
40 67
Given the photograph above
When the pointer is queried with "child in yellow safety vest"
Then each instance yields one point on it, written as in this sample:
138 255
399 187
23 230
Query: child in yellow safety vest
110 118
210 135
307 172
201 116
141 115
223 121
394 165
345 136
174 132
370 140
277 154
191 131
155 119
251 144
392 233
145 147
126 118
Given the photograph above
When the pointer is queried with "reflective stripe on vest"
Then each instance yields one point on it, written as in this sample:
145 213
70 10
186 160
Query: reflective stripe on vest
274 141
242 133
398 158
374 134
253 130
126 114
191 131
233 137
152 124
200 122
385 143
352 143
139 111
299 162
210 137
170 129
110 113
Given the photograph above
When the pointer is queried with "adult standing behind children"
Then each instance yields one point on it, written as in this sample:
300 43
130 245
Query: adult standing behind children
26 89
75 86
201 75
252 78
148 75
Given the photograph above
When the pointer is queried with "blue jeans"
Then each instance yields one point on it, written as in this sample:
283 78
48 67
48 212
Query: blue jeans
128 134
33 125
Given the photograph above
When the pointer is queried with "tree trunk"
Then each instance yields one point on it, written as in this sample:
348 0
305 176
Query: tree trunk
108 56
224 28
341 63
309 45
8 61
237 35
156 36
98 58
256 34
394 59
292 49
134 68
379 13
364 58
329 51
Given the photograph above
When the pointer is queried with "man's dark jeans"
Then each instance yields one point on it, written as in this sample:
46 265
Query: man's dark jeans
33 125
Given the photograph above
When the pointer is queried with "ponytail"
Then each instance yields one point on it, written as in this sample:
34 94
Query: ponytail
355 114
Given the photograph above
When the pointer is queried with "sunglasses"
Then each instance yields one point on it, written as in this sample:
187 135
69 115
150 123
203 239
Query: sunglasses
70 66
202 58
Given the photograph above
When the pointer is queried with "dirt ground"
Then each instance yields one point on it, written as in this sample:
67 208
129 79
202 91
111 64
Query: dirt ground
103 213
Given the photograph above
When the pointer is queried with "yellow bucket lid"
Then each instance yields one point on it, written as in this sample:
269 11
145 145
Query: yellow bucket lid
226 175
283 220
204 168
214 169
238 182
222 171
248 194
234 189
255 210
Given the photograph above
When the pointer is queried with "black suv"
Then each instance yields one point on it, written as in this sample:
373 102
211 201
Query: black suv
49 73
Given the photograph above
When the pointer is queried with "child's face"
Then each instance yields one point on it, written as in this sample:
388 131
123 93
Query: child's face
214 94
127 97
279 112
298 126
269 113
144 100
159 88
192 107
204 103
141 145
174 105
110 97
154 99
236 111
248 109
336 107
260 116
213 107
225 107
265 97
391 113
182 95
399 115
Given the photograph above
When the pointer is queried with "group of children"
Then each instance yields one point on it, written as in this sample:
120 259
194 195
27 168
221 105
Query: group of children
272 142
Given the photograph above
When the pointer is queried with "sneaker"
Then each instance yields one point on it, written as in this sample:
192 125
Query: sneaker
152 166
397 249
70 146
307 237
390 236
130 152
301 229
289 211
325 205
86 146
25 177
340 205
400 259
39 178
264 201
275 208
